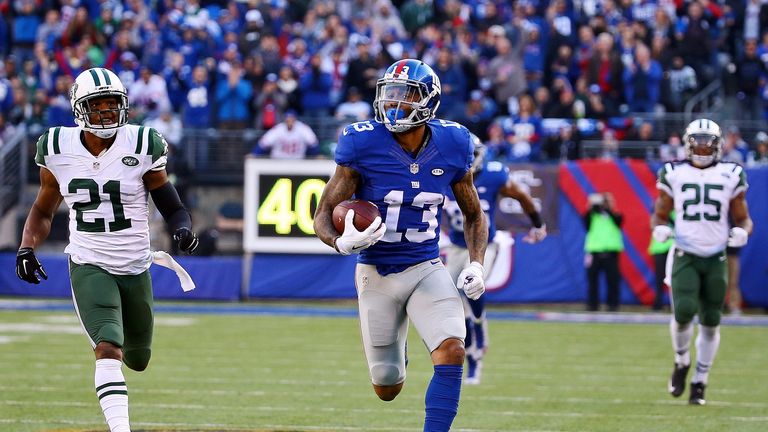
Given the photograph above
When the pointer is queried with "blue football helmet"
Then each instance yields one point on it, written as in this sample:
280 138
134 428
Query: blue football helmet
408 95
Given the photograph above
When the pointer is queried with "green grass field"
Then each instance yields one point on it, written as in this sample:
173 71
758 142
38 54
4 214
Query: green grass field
290 373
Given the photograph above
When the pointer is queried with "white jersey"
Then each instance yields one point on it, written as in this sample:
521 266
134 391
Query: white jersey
702 200
287 143
106 196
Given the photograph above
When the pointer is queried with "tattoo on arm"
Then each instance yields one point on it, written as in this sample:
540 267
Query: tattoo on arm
475 222
340 187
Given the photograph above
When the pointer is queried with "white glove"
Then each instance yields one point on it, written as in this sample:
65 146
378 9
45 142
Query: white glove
737 237
353 241
662 233
164 259
536 235
471 280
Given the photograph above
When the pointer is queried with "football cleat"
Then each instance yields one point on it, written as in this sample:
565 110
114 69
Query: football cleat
677 380
474 369
697 394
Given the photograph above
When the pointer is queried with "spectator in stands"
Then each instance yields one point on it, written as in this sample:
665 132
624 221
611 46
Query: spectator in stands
354 109
642 81
477 114
606 70
565 145
50 30
169 126
363 72
289 86
25 25
233 97
336 65
177 76
750 73
453 83
563 106
694 38
251 34
197 115
533 58
270 104
78 27
415 14
106 24
602 247
681 84
524 131
642 132
148 95
506 72
759 156
609 145
734 147
59 105
672 150
315 88
291 139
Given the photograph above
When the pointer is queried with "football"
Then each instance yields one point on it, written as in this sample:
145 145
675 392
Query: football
365 213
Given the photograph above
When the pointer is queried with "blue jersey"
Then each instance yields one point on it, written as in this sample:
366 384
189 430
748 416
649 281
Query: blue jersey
488 182
408 190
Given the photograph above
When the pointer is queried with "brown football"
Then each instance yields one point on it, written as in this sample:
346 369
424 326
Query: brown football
365 213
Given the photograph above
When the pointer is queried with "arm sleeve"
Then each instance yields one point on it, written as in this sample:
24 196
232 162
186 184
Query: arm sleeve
169 204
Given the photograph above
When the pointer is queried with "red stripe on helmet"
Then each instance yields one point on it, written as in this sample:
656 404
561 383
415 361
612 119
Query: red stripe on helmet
400 67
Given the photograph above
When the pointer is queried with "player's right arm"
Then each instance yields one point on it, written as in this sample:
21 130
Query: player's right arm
340 187
38 224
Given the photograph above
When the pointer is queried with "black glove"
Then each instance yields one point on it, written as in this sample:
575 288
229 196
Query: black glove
186 239
28 267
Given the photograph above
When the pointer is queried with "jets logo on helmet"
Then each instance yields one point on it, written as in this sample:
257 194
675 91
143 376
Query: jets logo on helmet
703 142
408 95
93 84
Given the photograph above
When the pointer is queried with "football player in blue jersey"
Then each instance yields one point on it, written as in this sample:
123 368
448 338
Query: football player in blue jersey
492 181
405 161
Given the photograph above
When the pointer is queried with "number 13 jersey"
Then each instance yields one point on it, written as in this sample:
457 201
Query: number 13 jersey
702 200
106 196
407 189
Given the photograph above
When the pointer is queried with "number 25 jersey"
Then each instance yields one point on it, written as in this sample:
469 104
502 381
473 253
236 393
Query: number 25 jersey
407 189
702 200
106 196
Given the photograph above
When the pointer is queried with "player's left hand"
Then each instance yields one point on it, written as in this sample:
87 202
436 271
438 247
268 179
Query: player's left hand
536 235
737 237
471 280
186 239
28 267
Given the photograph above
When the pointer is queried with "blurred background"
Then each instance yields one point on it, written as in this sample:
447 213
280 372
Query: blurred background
578 97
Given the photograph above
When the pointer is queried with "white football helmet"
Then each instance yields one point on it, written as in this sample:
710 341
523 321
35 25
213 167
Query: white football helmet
703 141
95 83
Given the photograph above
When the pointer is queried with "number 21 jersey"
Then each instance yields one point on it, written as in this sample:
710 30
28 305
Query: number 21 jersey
106 196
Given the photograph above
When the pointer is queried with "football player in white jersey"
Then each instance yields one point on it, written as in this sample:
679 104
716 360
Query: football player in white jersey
703 192
103 169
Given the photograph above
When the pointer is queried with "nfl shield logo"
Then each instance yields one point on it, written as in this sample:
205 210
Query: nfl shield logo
414 168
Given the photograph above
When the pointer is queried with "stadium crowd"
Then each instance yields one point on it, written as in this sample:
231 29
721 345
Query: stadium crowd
505 66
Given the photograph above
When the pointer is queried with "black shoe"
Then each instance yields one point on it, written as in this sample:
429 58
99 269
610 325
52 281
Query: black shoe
677 380
697 394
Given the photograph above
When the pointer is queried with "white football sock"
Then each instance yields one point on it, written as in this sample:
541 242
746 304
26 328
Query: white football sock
681 341
112 393
707 343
